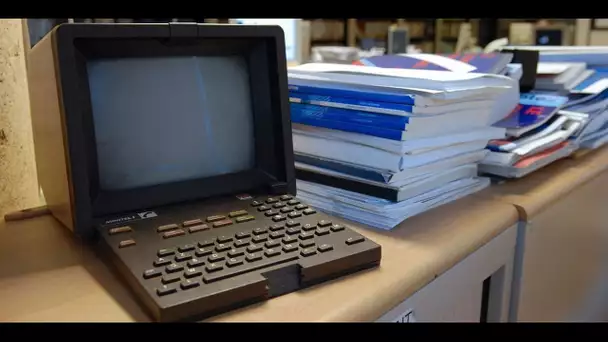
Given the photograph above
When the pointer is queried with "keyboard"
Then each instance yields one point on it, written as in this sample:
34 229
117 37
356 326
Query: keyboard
195 261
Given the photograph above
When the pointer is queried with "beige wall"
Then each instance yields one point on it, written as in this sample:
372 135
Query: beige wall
18 183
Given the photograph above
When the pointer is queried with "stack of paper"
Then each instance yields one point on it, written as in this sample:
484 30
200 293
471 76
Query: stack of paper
588 97
560 77
537 135
594 108
378 145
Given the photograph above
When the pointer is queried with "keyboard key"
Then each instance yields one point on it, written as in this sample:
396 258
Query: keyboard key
215 218
201 252
215 258
152 273
242 235
195 263
192 222
309 211
119 230
290 248
183 257
286 197
214 267
322 231
272 252
240 243
174 268
260 264
126 243
324 223
278 218
174 233
306 236
161 262
272 243
167 227
286 210
165 290
276 227
170 278
222 223
336 227
271 212
224 239
192 272
253 257
279 205
236 253
354 240
264 208
165 252
290 239
234 262
198 228
293 202
186 248
301 206
292 223
254 248
223 247
256 203
271 200
245 219
325 248
307 243
238 213
308 252
308 227
189 284
260 231
294 214
259 238
206 243
276 235
293 230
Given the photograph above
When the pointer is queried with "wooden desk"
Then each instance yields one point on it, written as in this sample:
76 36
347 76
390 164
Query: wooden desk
46 276
560 268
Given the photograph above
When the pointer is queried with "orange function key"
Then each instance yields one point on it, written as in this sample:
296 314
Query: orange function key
222 223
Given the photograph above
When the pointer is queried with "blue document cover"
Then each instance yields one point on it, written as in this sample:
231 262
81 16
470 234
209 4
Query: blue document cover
351 103
300 117
486 63
350 91
593 84
533 110
395 122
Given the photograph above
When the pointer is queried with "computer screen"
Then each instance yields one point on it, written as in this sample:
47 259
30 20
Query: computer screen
549 36
290 29
168 119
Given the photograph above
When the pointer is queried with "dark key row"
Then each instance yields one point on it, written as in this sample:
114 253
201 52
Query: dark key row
234 256
274 200
258 235
252 261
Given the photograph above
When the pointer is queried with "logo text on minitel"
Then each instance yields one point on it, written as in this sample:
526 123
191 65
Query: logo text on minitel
121 219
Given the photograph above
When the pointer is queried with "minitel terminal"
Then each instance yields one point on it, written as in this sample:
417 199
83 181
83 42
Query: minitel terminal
169 147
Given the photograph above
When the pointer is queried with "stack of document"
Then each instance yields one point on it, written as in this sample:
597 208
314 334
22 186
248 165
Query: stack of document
594 110
587 93
552 59
537 135
378 145
560 77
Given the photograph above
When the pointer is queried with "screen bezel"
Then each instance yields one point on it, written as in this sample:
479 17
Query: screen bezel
263 47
